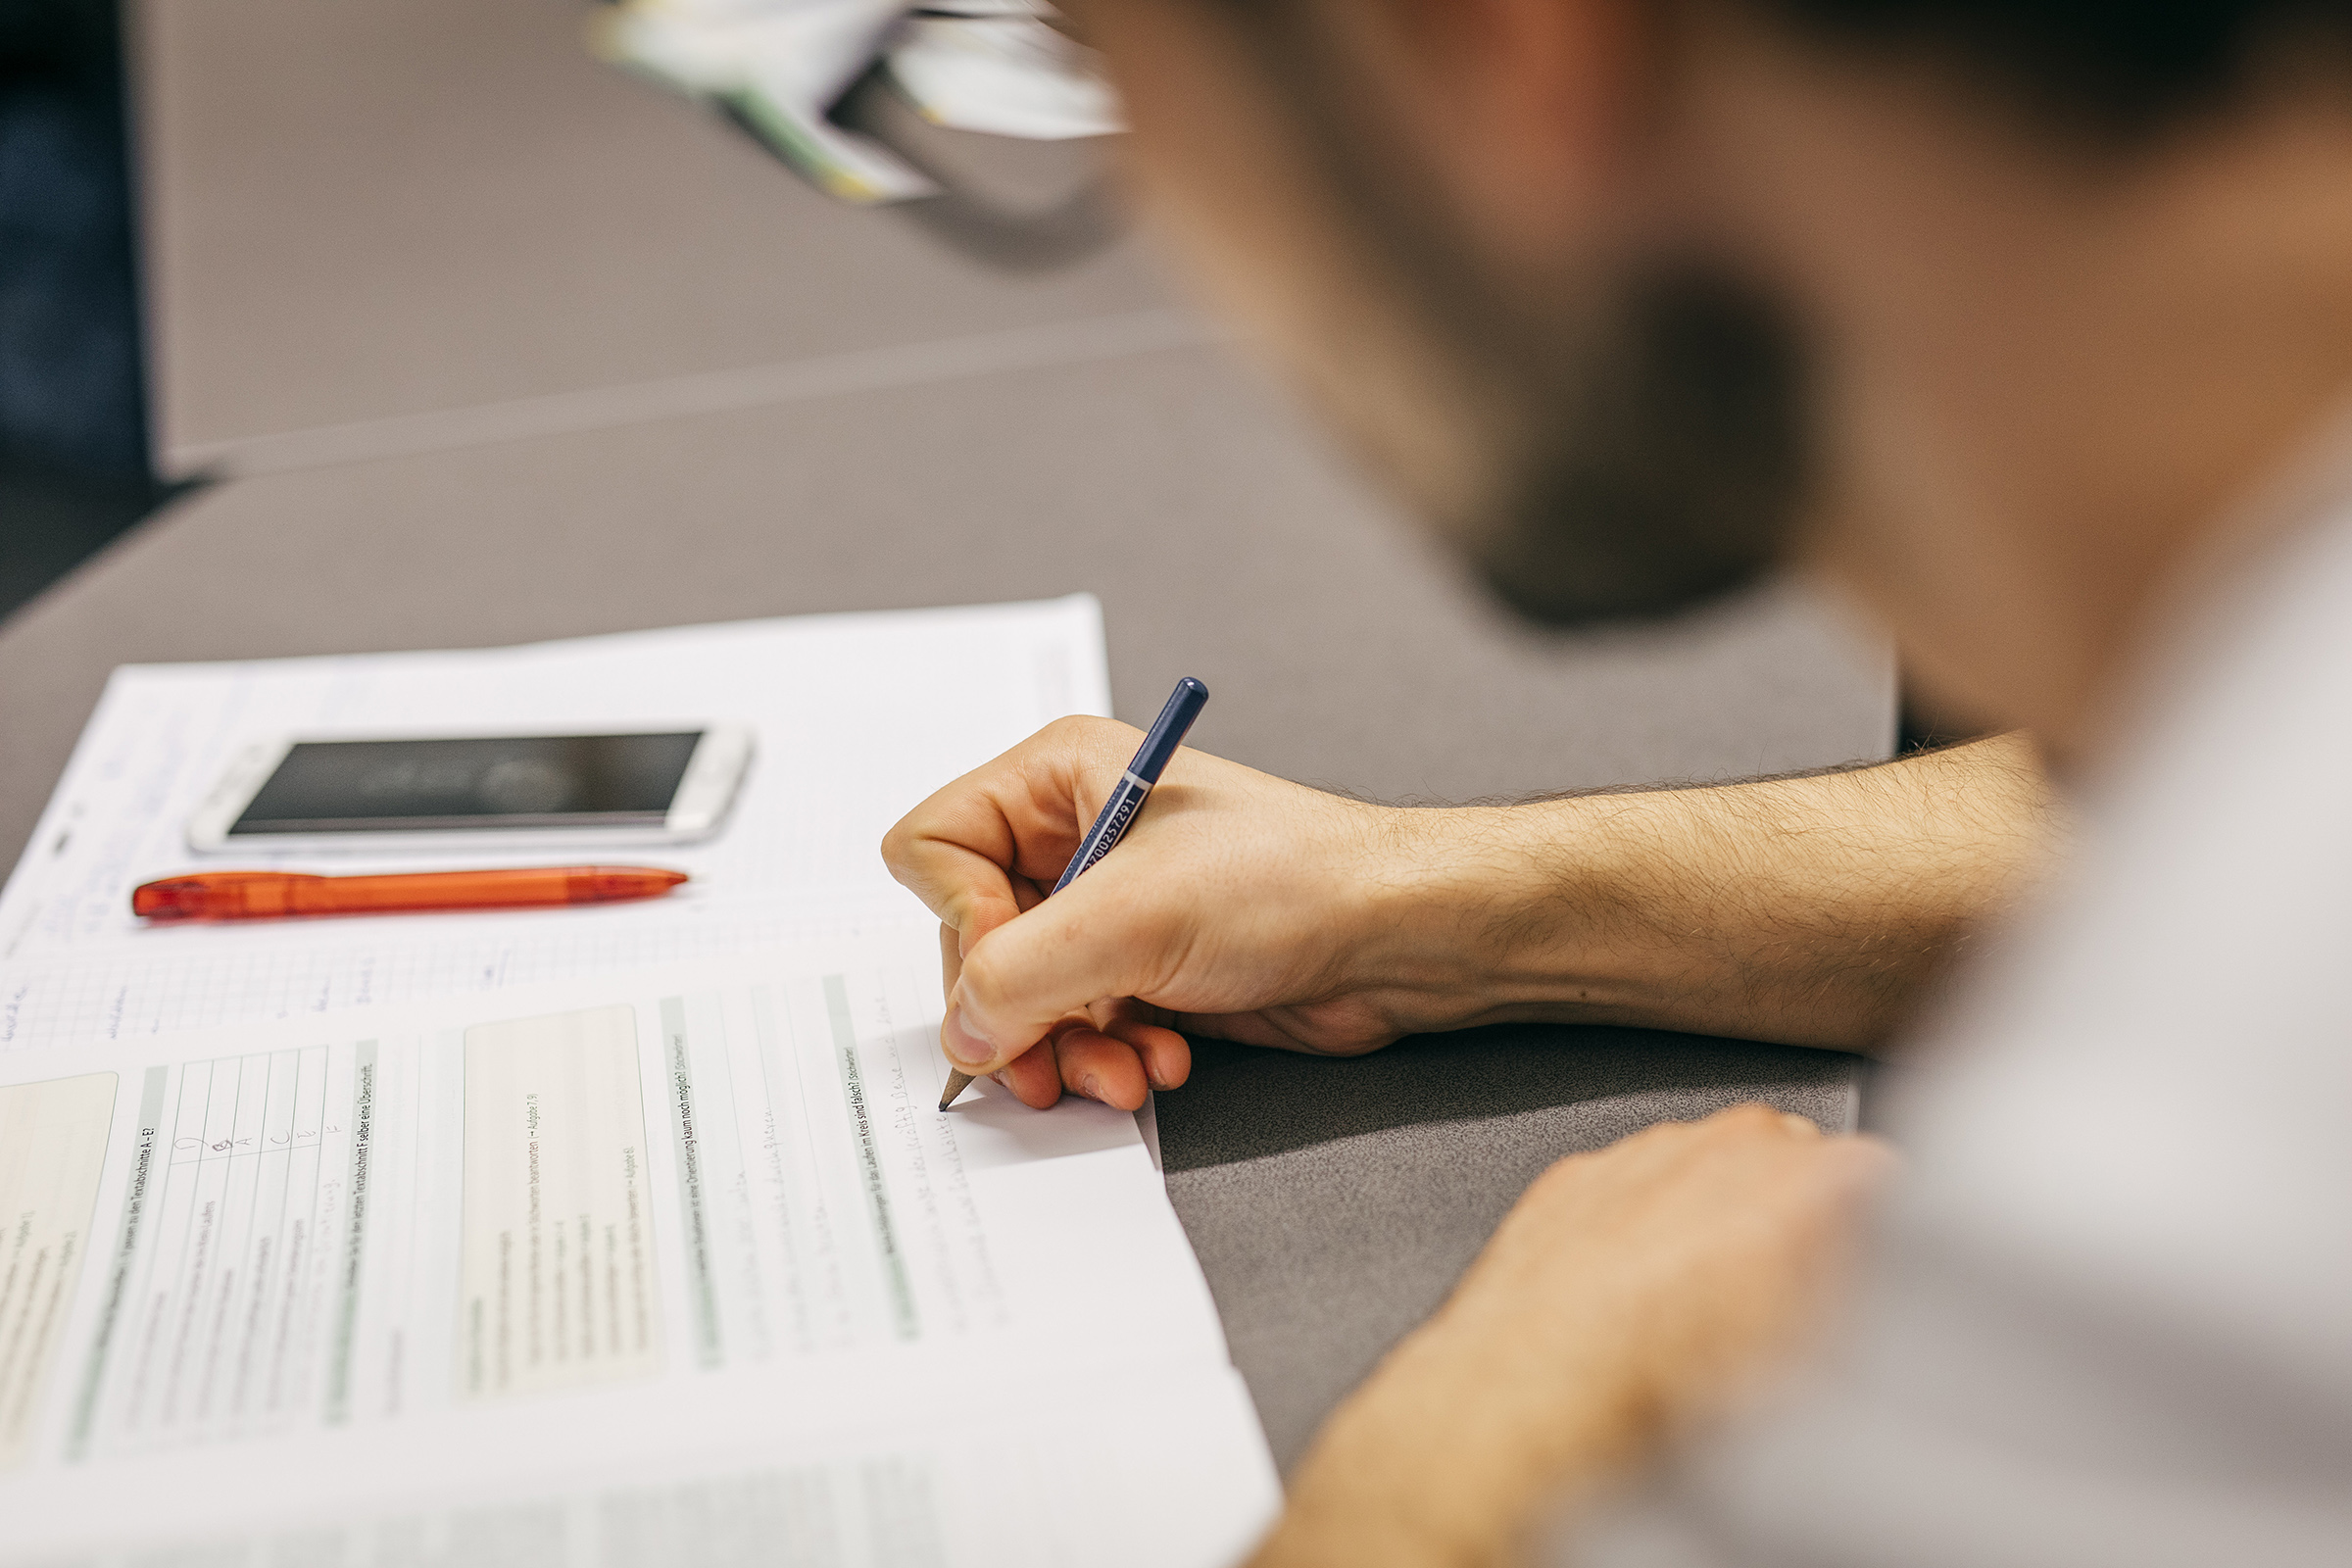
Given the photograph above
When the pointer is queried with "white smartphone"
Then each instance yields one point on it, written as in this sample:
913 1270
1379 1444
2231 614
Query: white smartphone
475 792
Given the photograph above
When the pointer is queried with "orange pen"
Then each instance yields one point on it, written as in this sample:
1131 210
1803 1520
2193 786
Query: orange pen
269 895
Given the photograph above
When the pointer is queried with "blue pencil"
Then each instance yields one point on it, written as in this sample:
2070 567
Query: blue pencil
1119 813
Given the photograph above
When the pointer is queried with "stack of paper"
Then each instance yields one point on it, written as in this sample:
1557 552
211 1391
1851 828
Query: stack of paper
599 1238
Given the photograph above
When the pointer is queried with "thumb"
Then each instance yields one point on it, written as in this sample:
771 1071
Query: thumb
980 917
1027 974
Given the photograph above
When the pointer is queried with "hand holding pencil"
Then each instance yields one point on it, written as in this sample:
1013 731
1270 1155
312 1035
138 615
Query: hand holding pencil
1237 904
1120 806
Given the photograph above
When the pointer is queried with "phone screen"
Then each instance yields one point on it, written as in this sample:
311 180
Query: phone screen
496 782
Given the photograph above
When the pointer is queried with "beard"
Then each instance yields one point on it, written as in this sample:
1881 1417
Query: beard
1653 459
1636 437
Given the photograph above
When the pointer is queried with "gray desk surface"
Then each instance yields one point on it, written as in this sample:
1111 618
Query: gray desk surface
506 346
389 227
1332 1203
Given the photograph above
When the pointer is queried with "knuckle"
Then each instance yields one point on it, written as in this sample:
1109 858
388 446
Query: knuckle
983 981
1075 730
1089 733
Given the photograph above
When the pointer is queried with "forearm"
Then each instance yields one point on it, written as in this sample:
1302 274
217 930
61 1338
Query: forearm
1809 910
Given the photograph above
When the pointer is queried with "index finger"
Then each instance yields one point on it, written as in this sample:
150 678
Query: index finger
1019 816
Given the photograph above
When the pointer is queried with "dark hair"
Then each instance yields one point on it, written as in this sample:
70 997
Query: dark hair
2120 65
2112 66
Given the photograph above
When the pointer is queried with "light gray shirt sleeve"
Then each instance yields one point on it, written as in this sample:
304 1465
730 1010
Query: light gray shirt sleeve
1985 1417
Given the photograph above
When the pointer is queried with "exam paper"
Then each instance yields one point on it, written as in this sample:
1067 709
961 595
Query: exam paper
474 1240
680 1266
857 717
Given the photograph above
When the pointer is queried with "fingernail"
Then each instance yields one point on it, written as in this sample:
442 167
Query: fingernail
965 1045
1090 1087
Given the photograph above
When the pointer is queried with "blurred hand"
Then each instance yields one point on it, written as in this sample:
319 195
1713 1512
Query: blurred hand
1630 1294
1238 905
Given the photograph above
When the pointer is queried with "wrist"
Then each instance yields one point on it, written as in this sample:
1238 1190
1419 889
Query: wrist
1508 911
1452 1455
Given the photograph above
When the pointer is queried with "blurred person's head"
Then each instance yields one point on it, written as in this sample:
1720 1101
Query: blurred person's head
1984 310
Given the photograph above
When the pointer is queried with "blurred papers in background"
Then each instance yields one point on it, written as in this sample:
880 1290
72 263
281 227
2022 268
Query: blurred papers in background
780 67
